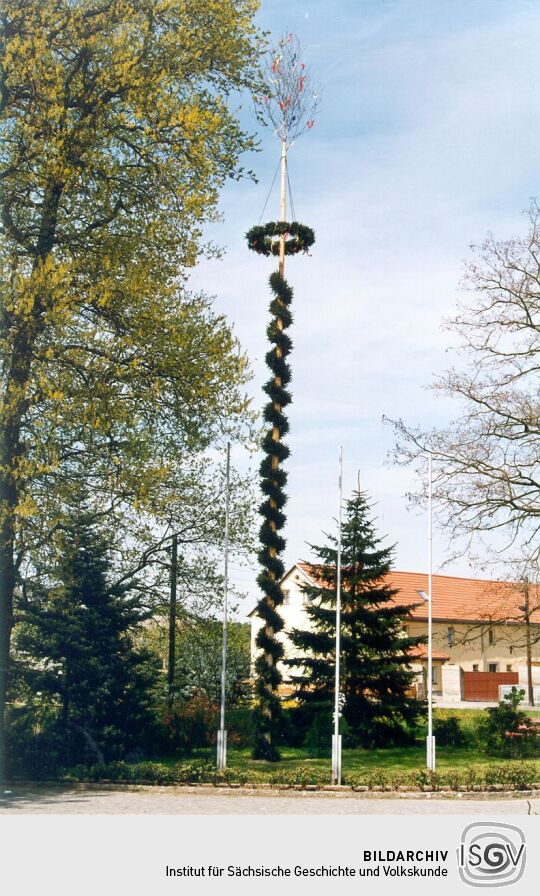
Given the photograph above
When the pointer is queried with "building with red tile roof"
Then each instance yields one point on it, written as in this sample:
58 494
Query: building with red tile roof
479 630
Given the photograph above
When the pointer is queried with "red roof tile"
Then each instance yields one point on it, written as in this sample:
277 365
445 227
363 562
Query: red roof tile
459 599
421 653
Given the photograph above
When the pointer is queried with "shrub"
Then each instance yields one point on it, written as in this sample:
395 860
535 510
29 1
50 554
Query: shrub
426 778
510 775
318 741
513 775
302 777
196 772
470 777
452 780
35 744
240 727
41 745
372 778
448 732
200 720
508 730
125 773
190 724
193 724
296 722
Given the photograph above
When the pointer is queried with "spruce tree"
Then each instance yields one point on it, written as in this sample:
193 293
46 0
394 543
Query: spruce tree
76 648
375 672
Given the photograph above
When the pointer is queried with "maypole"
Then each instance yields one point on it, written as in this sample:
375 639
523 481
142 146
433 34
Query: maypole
288 107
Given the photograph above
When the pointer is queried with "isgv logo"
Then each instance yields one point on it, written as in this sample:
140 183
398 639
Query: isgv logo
491 854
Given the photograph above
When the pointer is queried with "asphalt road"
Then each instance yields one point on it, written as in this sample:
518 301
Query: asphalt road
171 801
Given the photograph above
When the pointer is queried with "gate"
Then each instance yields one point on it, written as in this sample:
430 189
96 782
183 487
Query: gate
485 685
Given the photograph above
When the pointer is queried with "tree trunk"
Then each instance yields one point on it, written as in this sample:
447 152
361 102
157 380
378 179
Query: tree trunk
172 624
26 328
10 453
7 587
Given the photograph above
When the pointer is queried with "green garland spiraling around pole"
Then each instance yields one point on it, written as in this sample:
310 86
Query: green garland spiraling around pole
265 240
287 105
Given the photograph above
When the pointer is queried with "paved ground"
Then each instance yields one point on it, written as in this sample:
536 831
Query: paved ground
171 801
462 704
477 704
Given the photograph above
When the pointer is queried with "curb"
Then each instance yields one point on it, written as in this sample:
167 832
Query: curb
268 790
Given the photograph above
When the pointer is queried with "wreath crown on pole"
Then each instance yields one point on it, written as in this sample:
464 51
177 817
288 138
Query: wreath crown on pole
264 238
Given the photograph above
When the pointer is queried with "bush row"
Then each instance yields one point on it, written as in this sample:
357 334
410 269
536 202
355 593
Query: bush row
504 730
39 748
507 776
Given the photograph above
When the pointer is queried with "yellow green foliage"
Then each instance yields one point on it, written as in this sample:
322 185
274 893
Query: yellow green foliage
117 137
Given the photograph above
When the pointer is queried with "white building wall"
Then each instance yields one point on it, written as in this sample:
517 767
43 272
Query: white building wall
473 647
292 612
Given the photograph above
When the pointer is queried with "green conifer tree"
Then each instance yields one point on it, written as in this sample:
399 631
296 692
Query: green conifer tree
76 649
375 674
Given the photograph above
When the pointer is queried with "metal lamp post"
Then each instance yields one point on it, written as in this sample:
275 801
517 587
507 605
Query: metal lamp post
430 740
222 734
336 738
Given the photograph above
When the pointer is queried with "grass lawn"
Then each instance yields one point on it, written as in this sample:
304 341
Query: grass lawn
391 760
457 767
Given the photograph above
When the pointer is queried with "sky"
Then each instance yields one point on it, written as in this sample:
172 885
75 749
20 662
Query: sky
427 139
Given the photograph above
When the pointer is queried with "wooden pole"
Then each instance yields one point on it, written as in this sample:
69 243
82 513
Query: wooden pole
172 622
269 631
283 206
527 609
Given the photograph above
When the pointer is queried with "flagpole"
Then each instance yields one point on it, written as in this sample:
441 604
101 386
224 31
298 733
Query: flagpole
336 739
222 734
430 747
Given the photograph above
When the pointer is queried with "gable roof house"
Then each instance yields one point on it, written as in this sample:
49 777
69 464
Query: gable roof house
479 632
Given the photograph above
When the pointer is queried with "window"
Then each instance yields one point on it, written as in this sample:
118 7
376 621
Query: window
493 667
509 667
475 667
491 638
451 636
286 596
434 675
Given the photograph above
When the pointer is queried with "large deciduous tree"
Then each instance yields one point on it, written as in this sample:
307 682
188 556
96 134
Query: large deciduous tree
487 474
117 137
